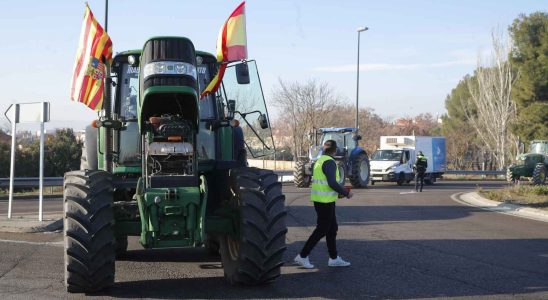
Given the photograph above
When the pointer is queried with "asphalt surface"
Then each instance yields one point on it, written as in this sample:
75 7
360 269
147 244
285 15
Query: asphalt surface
401 245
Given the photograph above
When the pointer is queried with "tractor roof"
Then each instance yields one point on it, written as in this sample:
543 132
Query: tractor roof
338 129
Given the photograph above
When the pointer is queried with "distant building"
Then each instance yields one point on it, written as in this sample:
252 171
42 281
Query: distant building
4 137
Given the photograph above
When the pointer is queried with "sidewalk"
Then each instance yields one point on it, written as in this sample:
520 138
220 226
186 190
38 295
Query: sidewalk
30 223
474 199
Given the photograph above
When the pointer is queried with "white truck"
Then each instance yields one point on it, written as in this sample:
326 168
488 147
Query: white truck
394 160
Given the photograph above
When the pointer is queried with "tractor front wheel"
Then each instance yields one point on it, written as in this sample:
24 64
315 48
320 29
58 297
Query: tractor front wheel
300 178
89 242
359 175
510 177
539 174
255 257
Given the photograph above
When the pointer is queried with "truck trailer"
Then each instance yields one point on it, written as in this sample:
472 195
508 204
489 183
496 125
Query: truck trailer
394 160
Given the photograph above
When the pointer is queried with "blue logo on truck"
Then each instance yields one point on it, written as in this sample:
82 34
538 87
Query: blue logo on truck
438 153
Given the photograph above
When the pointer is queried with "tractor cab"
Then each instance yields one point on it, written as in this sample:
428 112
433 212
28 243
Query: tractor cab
346 140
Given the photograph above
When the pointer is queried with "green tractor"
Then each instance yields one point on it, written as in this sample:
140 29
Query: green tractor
533 164
170 168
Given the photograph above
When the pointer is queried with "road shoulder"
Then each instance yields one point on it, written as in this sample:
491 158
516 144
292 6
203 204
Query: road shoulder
30 225
475 200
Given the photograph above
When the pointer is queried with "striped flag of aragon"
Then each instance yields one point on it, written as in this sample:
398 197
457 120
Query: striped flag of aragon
94 49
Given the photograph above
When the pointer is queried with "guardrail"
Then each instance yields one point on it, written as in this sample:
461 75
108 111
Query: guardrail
474 172
31 181
58 181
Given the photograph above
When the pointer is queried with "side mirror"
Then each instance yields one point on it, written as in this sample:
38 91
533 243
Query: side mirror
231 108
263 121
358 138
242 73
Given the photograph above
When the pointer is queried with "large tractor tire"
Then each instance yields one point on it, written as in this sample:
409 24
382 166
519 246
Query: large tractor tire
88 160
300 178
510 177
89 241
539 174
359 174
257 255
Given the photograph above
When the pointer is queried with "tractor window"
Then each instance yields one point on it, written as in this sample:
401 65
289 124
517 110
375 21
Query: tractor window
539 148
206 137
207 108
129 153
350 142
129 92
251 110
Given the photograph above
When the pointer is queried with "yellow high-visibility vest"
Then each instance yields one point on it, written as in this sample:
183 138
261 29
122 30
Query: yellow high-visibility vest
321 192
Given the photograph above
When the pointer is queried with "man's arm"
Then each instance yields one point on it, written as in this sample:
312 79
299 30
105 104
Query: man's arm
329 168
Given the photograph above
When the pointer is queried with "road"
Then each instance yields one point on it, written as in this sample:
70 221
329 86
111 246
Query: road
400 244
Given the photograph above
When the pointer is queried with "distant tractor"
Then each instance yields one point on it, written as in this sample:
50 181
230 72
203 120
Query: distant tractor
352 160
533 164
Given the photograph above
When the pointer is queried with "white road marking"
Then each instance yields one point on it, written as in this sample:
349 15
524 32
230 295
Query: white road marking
60 243
412 192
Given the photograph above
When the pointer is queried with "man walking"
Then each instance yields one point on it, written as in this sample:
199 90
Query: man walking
324 193
420 169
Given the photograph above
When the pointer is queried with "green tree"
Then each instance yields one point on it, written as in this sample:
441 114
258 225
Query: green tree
530 57
62 153
462 143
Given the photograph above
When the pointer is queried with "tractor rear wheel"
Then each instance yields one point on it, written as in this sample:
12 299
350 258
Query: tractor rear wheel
510 177
359 175
300 178
539 174
89 242
257 255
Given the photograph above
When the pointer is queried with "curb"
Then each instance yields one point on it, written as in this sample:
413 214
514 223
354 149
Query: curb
475 200
28 226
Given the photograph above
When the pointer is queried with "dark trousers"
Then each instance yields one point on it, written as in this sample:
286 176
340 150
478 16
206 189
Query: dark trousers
419 176
326 226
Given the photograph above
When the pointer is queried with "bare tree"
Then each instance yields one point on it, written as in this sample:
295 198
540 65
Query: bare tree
304 106
493 109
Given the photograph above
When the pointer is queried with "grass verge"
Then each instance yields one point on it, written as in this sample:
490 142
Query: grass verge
527 195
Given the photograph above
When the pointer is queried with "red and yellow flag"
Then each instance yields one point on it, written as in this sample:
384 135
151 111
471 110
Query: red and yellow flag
94 49
231 45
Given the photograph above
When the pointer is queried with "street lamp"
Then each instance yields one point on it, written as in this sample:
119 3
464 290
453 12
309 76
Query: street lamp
360 29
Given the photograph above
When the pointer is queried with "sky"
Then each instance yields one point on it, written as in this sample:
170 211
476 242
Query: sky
411 57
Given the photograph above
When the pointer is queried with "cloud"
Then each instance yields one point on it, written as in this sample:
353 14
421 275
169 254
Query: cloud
396 67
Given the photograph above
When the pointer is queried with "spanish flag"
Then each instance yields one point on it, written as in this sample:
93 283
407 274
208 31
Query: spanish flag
231 46
94 50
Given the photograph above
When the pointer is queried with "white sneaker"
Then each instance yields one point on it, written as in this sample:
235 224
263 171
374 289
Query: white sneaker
338 262
303 262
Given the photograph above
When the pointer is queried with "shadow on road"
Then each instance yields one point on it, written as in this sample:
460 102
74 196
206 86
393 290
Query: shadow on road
380 269
365 215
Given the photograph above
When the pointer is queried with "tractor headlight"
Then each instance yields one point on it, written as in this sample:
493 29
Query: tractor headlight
169 68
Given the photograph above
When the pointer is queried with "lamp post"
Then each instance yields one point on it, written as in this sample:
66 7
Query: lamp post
360 30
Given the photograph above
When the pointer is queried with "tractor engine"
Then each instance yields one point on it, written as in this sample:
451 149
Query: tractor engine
170 151
168 112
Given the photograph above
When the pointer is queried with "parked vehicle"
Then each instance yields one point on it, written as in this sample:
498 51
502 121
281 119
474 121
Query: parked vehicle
394 160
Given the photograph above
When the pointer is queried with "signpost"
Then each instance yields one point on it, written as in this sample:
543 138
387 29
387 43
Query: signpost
27 113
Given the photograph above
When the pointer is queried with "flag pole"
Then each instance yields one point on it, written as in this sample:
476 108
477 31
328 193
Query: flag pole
107 105
106 15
